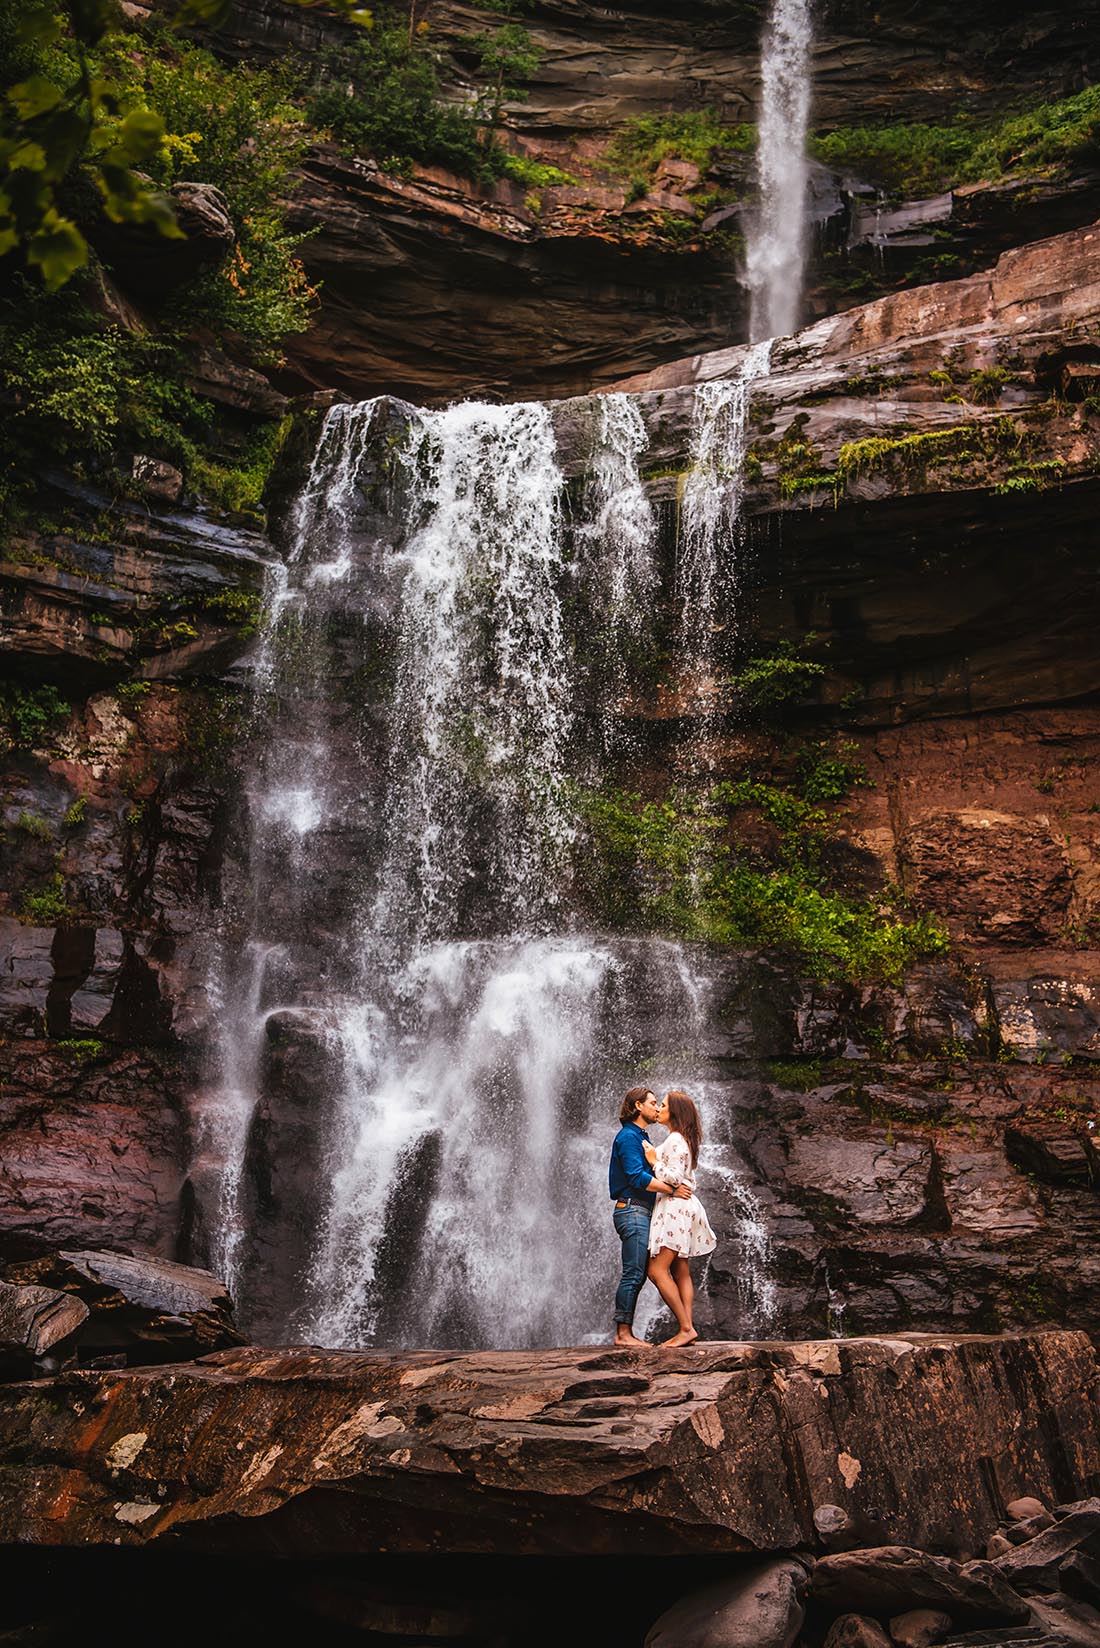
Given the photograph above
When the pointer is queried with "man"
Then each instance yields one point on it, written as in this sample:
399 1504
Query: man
633 1195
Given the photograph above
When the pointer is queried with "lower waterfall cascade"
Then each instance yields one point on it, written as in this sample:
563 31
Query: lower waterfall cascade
408 1007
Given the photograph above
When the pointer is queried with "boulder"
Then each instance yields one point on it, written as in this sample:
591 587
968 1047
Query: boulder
1018 1533
1018 1510
761 1607
35 1321
149 1309
156 479
1035 1565
834 1527
894 1579
856 1631
920 1627
1079 1576
151 265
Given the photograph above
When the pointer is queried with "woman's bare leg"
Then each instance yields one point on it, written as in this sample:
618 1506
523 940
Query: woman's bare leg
681 1275
661 1277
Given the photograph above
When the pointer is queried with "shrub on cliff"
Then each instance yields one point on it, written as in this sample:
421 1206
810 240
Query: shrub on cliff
910 159
676 866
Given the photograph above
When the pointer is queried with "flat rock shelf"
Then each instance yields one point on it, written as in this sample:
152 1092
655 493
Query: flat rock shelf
922 1440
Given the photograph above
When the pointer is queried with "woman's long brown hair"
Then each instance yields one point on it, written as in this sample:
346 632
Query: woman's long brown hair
684 1118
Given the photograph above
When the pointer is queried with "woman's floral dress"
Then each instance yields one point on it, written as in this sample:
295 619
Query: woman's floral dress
679 1222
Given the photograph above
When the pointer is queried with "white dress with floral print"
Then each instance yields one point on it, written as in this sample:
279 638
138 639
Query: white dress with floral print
679 1222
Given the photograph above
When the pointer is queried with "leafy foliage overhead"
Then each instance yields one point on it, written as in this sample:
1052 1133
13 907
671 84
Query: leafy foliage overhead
64 112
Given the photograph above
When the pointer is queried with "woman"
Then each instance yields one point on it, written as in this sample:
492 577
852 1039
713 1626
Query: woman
679 1230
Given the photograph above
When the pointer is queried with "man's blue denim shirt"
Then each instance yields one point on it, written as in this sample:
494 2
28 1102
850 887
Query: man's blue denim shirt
630 1173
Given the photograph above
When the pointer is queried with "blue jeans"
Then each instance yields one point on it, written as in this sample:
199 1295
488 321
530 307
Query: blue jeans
632 1229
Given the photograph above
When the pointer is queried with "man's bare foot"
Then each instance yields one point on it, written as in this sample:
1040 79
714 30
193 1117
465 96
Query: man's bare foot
687 1336
627 1341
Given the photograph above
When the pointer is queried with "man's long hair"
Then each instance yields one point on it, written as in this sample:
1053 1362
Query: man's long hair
629 1109
683 1118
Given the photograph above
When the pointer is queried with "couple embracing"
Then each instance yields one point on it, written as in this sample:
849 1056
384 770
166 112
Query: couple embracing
658 1218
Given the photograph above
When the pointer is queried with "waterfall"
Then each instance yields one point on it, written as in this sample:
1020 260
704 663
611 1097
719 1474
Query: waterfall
482 706
420 1055
776 249
710 506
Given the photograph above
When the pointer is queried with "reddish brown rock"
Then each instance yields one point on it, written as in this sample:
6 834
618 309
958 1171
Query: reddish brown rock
896 1579
720 1447
90 1146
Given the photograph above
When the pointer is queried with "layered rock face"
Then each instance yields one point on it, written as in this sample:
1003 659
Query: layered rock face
732 1447
433 286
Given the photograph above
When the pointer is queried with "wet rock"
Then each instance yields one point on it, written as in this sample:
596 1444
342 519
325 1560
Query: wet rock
156 479
759 1608
1018 1510
90 1141
35 1321
920 1627
1048 1014
856 1631
25 975
896 1579
151 1309
722 1447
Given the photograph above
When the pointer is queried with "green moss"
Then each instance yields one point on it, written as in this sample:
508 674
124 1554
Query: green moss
792 486
797 1075
534 174
915 453
46 907
988 383
1034 477
641 145
130 692
34 825
82 1050
74 815
238 606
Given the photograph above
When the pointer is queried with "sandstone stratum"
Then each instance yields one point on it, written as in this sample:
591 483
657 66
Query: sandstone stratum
720 1447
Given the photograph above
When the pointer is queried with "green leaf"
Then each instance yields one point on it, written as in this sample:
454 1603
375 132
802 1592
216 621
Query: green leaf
59 249
27 157
33 97
91 19
141 135
212 13
39 28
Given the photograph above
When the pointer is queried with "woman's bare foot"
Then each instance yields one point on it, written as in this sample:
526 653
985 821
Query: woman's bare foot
686 1336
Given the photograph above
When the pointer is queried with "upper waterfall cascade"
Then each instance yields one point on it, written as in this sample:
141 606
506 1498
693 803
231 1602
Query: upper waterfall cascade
777 238
437 670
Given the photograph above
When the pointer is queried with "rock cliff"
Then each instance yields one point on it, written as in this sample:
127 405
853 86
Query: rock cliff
909 457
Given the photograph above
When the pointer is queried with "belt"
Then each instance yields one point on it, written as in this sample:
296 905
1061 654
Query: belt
632 1201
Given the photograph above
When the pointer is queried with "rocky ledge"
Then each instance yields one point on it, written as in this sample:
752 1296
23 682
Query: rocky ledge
732 1447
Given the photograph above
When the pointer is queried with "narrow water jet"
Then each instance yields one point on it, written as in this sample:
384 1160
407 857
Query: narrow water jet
709 539
778 232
